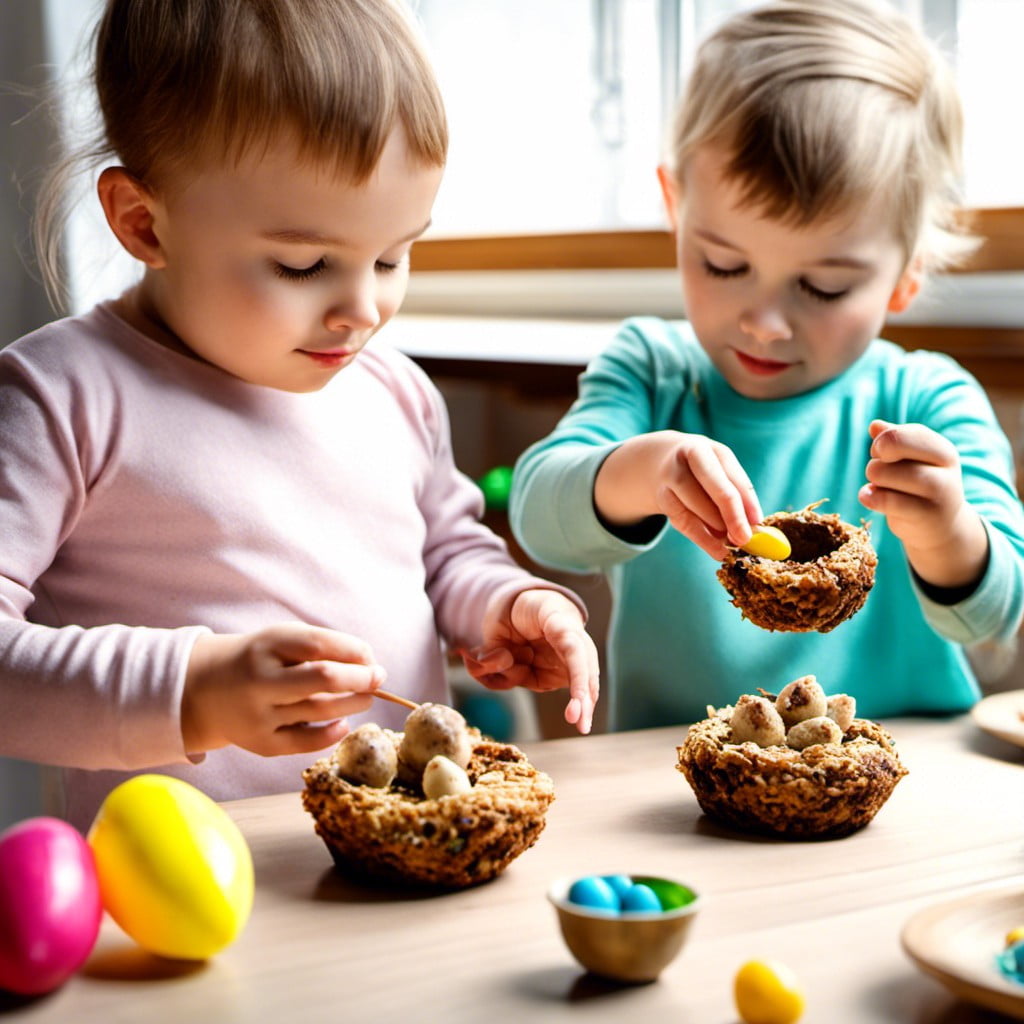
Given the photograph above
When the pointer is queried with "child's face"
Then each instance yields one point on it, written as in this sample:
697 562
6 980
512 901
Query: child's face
778 309
279 273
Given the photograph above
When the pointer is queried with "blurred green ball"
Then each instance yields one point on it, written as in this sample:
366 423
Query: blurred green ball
496 484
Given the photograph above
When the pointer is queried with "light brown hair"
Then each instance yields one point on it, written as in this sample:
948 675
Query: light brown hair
182 82
825 105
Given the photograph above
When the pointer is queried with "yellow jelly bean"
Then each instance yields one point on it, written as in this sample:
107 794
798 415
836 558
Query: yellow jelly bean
175 872
1015 935
767 992
768 542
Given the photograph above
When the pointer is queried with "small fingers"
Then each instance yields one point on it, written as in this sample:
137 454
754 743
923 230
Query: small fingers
297 642
579 656
917 479
714 487
305 737
486 661
320 708
690 525
584 695
894 504
910 442
751 507
296 682
711 468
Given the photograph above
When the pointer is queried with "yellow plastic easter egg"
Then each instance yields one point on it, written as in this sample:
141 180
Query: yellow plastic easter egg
767 992
769 542
1014 935
174 870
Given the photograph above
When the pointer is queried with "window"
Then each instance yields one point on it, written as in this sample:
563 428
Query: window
558 111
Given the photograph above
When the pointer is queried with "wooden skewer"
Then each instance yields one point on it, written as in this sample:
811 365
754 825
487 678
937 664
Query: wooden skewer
395 699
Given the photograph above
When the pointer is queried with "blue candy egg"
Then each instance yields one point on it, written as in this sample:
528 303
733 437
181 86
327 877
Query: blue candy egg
641 897
594 893
621 884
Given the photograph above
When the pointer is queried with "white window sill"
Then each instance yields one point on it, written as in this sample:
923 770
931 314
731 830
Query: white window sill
976 300
567 317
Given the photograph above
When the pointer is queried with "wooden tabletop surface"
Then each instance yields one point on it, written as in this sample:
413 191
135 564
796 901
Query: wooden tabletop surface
319 948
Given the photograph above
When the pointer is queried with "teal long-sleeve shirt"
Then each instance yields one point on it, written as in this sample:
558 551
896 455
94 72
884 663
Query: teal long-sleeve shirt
676 643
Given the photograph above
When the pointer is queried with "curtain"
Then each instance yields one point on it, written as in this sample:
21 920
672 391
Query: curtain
24 145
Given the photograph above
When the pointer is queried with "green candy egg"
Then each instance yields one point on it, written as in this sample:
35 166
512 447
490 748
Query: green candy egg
670 895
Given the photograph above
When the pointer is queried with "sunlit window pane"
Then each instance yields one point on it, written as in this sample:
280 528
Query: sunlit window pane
554 130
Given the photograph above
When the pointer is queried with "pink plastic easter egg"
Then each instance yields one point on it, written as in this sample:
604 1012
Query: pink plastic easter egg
50 909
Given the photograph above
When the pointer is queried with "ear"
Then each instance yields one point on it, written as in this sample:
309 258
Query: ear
128 206
907 287
670 195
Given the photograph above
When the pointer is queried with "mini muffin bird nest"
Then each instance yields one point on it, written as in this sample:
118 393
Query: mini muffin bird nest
395 833
825 580
816 777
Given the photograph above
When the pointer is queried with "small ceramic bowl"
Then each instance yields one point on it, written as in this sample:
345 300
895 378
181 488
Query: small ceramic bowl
631 946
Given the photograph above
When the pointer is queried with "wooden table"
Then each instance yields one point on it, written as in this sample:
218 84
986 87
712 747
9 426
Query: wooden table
318 948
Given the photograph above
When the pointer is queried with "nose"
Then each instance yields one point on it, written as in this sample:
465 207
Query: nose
356 307
765 323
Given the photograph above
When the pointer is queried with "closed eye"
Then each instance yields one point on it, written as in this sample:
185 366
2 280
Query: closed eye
817 293
299 273
716 271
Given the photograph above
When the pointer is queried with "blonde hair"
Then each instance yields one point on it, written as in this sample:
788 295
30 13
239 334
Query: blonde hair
181 82
824 105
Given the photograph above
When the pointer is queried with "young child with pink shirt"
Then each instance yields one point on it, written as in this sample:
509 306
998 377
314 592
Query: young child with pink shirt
224 515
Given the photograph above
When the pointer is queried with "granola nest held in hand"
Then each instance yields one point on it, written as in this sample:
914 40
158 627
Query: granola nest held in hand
824 581
821 775
462 838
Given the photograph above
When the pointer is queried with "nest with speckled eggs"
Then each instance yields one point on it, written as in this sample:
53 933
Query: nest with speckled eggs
825 580
823 791
397 834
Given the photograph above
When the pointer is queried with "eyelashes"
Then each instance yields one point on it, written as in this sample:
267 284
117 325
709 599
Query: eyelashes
299 273
817 293
723 273
314 270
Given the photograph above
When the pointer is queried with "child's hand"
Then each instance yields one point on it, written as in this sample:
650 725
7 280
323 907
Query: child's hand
261 691
914 480
538 641
697 483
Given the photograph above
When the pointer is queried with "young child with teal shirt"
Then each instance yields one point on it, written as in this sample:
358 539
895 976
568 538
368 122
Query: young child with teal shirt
808 197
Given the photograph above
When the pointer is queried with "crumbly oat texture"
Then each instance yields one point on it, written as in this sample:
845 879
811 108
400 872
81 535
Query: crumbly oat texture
825 791
396 834
825 580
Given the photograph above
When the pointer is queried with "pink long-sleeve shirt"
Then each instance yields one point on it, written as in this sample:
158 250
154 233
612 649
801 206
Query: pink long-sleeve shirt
146 496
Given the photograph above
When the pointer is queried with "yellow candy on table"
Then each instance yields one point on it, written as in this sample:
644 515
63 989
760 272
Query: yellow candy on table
767 992
769 542
175 872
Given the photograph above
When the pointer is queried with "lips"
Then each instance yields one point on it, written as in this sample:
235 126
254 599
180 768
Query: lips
761 367
330 357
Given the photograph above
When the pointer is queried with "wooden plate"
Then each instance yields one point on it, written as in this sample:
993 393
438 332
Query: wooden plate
1000 715
957 943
